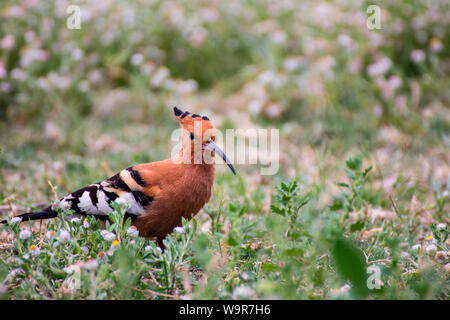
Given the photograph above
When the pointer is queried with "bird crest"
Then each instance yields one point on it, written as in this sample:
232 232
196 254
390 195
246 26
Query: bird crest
196 126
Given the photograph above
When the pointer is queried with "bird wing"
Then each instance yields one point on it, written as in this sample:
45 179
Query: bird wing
95 199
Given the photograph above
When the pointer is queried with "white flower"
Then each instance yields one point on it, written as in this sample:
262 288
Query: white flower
24 234
179 229
109 236
15 272
3 289
84 249
77 54
8 42
64 236
404 254
345 40
416 248
242 292
431 249
132 232
86 224
156 250
380 67
188 86
15 220
18 74
91 264
245 276
440 226
34 250
344 289
50 234
417 55
75 220
273 111
159 77
137 59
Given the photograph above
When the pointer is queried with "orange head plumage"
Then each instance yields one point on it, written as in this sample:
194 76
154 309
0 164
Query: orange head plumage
199 131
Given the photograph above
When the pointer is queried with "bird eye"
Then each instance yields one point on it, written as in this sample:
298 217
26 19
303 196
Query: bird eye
192 136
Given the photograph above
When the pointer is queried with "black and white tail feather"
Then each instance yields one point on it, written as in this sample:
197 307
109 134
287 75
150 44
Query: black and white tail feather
95 199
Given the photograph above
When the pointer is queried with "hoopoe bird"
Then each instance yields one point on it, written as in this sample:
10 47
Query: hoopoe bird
158 194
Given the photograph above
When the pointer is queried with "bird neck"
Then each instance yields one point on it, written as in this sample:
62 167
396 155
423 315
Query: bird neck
197 167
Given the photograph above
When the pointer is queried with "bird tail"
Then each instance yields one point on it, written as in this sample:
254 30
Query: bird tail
46 213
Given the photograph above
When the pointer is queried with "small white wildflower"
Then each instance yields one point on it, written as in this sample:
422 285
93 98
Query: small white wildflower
344 289
55 244
132 232
3 289
75 220
380 67
24 234
445 194
15 220
84 249
417 55
416 248
441 226
91 264
34 250
50 234
86 224
242 292
64 236
109 236
147 248
77 54
137 59
431 249
179 229
404 254
69 269
26 256
245 276
104 232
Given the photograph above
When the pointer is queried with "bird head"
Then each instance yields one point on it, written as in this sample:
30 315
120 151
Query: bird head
199 134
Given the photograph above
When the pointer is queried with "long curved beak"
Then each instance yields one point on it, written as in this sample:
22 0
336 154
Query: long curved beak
212 146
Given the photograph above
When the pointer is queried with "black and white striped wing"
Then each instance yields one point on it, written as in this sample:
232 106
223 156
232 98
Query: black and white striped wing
96 198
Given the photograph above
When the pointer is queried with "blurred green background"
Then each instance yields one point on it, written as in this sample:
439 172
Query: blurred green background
78 105
73 99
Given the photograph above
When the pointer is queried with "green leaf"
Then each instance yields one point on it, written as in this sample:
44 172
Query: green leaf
351 265
358 225
342 184
269 267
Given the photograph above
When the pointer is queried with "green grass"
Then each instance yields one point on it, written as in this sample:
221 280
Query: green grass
364 168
